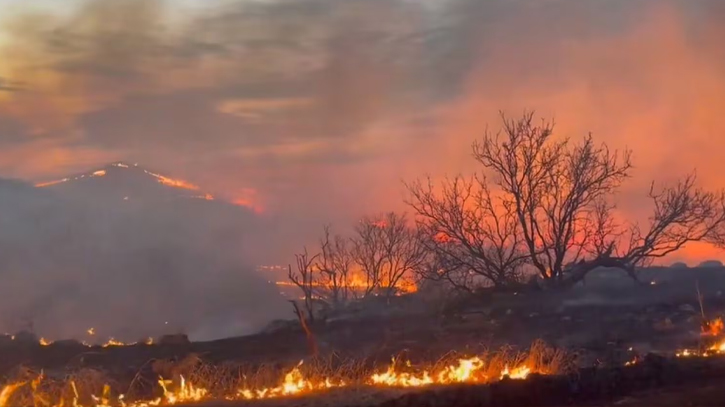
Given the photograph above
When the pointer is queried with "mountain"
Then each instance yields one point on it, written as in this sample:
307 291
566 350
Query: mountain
131 253
126 181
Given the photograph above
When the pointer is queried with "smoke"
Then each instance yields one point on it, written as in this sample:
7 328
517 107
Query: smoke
78 256
316 109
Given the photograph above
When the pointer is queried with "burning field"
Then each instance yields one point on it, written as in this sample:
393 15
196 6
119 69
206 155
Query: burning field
526 288
301 380
476 356
534 274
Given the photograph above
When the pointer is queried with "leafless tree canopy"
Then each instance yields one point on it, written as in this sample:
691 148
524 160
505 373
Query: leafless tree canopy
334 265
304 278
682 213
383 253
547 205
387 250
542 205
470 235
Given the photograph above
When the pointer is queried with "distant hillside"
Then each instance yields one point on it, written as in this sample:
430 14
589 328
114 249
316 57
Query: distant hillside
131 253
126 181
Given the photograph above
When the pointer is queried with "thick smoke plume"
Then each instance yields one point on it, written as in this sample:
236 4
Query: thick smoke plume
316 109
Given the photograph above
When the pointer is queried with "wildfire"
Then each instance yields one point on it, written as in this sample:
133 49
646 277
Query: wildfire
716 349
176 183
634 361
49 183
357 284
712 328
294 382
8 391
113 342
185 393
467 371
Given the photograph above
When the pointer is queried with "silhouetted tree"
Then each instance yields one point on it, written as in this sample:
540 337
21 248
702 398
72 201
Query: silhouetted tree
387 250
548 207
304 277
334 265
472 237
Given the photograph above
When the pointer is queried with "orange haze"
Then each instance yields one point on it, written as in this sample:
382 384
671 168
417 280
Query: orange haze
370 94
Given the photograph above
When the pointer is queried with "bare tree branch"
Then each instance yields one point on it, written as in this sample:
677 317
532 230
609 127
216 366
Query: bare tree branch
548 207
683 213
334 266
471 233
387 250
304 278
553 185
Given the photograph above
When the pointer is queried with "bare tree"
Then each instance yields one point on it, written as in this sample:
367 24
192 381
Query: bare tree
334 265
470 233
553 205
304 278
553 187
682 213
387 250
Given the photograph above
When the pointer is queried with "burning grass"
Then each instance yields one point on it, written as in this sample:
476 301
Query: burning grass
193 380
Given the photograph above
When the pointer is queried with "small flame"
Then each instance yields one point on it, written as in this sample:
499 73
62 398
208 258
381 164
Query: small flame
49 183
113 342
8 391
632 362
186 392
44 342
294 383
521 372
176 183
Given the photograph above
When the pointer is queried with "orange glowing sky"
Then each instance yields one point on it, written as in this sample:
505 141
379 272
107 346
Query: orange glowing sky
319 108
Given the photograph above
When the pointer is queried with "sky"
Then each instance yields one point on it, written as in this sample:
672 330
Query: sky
318 109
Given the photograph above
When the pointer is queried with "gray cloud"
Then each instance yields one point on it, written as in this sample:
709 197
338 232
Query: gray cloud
357 62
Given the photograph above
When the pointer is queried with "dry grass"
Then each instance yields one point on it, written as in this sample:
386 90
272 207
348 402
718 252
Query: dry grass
224 380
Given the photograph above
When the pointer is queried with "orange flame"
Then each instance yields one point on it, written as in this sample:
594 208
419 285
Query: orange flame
712 328
176 183
293 383
49 183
